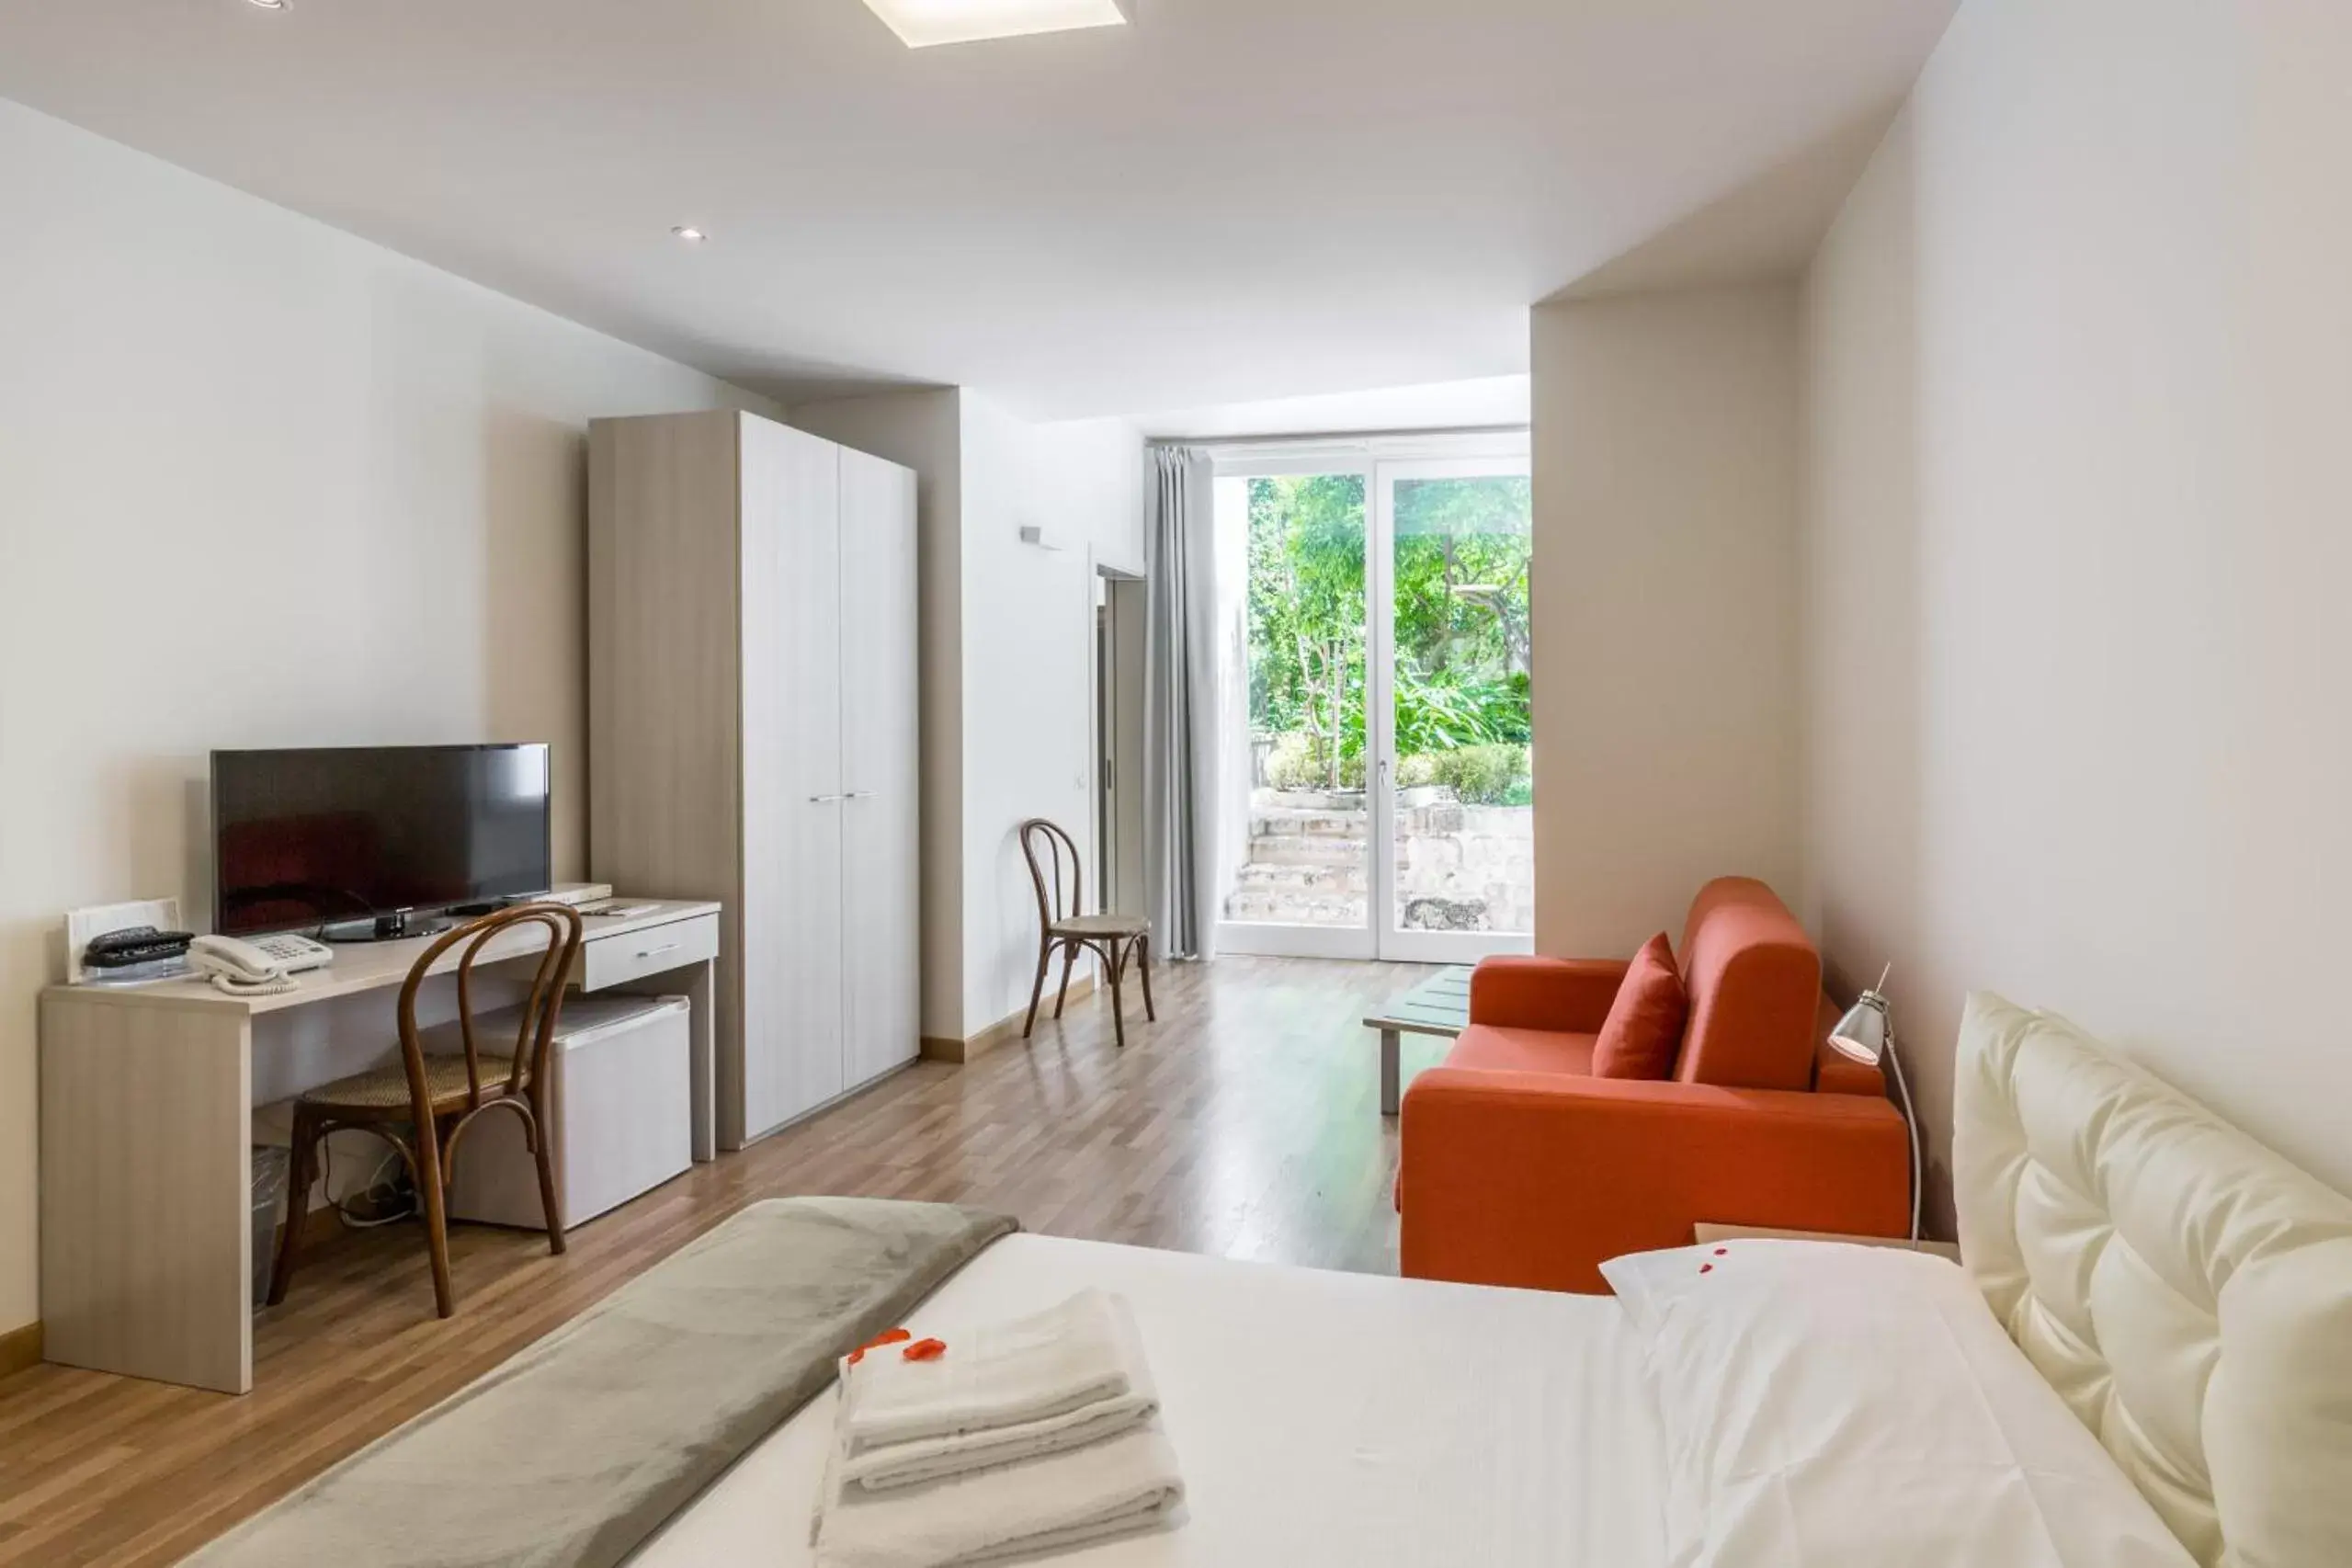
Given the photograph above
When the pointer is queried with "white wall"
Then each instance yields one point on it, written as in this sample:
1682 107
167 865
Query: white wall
261 484
2078 542
1666 697
1029 665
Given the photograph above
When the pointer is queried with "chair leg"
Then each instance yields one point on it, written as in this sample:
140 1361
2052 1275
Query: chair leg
297 1200
1143 967
539 1141
436 1217
1069 957
1037 986
1114 960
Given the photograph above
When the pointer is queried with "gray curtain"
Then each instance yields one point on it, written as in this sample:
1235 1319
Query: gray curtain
1181 702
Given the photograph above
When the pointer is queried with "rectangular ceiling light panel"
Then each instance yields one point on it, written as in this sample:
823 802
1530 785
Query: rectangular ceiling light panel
922 23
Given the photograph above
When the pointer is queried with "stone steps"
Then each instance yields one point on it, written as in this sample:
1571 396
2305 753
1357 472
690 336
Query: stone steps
1307 850
1269 821
1307 879
1458 868
1282 907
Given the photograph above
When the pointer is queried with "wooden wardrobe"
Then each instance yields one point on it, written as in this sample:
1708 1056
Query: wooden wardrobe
753 733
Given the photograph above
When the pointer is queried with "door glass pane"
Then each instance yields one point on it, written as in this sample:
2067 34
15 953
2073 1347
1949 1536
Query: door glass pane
1303 855
1465 816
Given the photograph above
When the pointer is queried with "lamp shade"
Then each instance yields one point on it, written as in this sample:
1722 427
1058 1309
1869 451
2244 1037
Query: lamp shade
1861 1034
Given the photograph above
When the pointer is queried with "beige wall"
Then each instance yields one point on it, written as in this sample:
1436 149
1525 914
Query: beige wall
1665 652
2079 537
260 484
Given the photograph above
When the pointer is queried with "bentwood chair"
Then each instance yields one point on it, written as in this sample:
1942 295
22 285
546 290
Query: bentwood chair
1054 872
423 1105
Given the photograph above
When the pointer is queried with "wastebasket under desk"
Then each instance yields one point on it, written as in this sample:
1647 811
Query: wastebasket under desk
620 1103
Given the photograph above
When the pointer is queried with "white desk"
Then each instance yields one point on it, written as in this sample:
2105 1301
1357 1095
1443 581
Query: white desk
146 1135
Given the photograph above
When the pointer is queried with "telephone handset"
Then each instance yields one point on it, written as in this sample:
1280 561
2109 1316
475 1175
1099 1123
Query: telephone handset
265 968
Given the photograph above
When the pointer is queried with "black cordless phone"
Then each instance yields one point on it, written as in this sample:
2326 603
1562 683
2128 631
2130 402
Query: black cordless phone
135 944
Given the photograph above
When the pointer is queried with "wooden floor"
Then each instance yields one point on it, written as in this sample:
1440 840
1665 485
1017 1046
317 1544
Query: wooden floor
1245 1124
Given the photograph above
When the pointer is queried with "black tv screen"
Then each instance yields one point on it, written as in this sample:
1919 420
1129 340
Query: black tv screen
305 838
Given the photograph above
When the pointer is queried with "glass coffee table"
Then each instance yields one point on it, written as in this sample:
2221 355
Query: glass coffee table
1439 1005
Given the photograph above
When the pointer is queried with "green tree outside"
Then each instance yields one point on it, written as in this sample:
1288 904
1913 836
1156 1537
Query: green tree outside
1462 630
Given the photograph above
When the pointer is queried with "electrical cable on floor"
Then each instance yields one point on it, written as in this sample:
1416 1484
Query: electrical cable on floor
376 1184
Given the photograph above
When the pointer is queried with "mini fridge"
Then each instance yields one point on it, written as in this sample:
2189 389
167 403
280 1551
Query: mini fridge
620 1103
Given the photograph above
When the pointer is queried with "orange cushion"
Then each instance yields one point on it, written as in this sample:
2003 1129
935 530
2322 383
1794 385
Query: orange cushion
1498 1048
1644 1027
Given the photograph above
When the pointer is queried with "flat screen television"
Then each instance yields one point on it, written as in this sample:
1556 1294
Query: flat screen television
356 836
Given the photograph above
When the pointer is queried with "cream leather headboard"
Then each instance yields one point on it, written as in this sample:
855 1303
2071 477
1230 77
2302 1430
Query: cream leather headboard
2187 1290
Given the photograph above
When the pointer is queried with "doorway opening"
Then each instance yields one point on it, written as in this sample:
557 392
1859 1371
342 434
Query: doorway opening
1119 741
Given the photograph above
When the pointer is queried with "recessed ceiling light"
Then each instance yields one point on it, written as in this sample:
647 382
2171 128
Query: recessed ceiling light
689 233
923 23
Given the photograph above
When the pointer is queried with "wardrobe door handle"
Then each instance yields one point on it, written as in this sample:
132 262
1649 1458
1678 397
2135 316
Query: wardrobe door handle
863 794
821 800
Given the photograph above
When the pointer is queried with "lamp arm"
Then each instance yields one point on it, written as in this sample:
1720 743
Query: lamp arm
1911 1123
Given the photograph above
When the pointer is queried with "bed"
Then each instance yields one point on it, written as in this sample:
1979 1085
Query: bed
1410 1421
2186 1293
2147 1363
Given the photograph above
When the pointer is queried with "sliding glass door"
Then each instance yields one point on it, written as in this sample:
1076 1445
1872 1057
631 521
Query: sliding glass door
1298 841
1451 690
1379 795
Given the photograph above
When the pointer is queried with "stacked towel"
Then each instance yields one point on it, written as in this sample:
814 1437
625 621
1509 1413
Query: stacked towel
1109 1488
1068 1377
1023 1438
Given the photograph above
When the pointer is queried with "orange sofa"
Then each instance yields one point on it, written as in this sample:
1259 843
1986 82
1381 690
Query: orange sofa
1522 1168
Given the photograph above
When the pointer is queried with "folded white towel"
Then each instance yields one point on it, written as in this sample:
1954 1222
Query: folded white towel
881 1466
1114 1487
999 1375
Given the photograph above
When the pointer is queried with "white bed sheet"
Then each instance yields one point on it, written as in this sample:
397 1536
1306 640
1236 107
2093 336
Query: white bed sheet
1320 1418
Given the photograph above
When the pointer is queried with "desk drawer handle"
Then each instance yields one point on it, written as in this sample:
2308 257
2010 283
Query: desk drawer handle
656 952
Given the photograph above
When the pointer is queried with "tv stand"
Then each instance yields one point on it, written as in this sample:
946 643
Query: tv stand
402 924
397 926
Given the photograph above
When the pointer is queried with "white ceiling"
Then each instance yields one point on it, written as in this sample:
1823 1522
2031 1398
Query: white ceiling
1230 199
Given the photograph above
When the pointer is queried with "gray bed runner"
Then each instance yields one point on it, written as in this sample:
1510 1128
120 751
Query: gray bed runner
574 1452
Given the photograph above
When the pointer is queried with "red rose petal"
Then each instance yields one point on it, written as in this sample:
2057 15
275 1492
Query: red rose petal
1706 1268
888 1336
926 1350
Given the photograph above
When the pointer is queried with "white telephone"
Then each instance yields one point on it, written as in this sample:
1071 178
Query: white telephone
263 967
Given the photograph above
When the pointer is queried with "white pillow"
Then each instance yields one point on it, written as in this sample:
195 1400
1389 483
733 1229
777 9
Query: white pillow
1834 1404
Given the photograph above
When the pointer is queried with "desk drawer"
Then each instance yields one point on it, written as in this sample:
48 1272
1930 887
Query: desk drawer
631 955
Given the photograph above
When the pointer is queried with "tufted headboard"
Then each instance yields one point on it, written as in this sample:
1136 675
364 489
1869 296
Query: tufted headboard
2187 1290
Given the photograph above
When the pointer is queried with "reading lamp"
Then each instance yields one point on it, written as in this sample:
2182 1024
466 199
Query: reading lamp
1864 1035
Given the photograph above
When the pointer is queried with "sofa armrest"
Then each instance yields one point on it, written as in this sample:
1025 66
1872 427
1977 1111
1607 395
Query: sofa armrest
1535 1180
1567 995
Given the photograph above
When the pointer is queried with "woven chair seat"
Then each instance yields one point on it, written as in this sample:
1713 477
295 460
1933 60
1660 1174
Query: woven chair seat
1101 925
386 1088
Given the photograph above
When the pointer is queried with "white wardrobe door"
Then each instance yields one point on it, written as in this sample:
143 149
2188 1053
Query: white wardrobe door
880 735
792 783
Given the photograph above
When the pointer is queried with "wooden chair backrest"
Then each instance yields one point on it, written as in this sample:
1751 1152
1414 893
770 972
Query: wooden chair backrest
1055 873
535 1037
